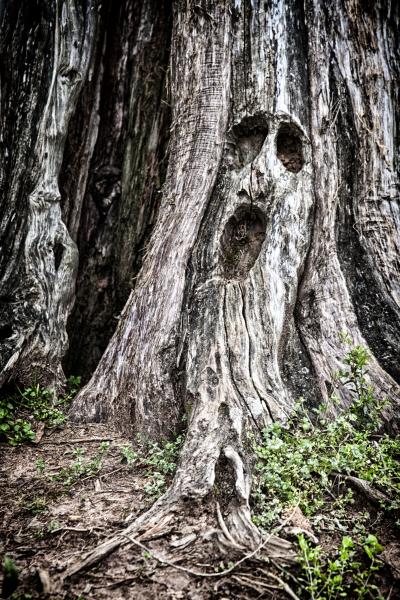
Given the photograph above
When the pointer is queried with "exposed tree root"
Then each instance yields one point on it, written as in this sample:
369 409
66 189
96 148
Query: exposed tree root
374 496
159 518
155 518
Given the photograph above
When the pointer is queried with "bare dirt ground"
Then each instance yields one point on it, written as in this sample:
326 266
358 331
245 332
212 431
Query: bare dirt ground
47 524
48 520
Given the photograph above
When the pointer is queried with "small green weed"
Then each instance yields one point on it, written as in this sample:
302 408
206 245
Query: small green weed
80 467
53 526
39 403
160 462
40 465
129 454
14 430
344 577
37 505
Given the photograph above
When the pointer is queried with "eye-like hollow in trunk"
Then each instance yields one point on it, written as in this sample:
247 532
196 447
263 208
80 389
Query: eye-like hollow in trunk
246 139
241 241
289 147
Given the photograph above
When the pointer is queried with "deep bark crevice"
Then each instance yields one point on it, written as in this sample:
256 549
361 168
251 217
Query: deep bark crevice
379 323
114 166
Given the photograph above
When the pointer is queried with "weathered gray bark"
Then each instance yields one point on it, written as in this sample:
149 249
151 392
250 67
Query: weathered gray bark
263 100
354 66
277 226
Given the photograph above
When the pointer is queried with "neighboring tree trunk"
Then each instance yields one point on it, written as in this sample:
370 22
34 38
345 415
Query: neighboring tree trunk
277 227
45 50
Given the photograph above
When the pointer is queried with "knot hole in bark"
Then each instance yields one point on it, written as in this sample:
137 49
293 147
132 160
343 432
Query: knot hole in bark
289 147
5 332
246 139
241 241
69 75
58 251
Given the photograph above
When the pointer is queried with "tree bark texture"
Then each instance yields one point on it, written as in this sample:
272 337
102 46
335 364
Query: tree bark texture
231 182
112 175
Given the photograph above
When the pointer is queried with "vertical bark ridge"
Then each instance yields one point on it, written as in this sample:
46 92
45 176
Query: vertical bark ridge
24 31
371 208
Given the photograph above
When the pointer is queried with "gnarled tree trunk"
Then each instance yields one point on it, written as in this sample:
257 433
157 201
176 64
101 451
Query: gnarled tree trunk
269 130
40 88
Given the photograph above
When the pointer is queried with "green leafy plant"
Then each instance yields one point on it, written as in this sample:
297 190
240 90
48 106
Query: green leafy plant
80 467
40 465
37 505
13 429
18 411
39 402
366 409
348 575
129 454
299 461
53 526
160 462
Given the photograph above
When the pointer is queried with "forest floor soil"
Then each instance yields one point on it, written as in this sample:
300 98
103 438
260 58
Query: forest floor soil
48 520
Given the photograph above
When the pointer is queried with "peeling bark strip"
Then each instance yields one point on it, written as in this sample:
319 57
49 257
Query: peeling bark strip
38 282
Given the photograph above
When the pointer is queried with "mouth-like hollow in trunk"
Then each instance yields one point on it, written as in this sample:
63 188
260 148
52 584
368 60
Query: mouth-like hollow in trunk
241 241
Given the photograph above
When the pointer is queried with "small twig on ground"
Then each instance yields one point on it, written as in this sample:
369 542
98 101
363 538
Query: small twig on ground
78 529
282 583
94 475
114 491
79 440
122 581
256 586
113 472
